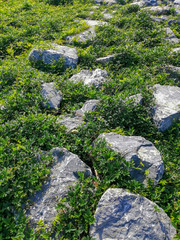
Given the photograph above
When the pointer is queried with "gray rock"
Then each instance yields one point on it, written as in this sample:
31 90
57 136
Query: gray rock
171 36
157 10
89 106
88 34
51 95
137 98
52 56
139 3
98 2
173 21
159 19
107 16
96 77
142 152
71 122
121 215
176 50
177 2
106 59
2 107
167 106
110 2
63 174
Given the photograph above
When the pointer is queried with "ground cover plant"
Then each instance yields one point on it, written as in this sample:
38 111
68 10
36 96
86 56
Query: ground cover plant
27 129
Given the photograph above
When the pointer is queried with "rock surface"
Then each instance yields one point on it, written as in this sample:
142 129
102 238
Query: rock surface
63 174
141 151
171 36
106 59
52 56
121 215
158 10
51 95
88 34
137 98
89 106
167 106
96 77
176 50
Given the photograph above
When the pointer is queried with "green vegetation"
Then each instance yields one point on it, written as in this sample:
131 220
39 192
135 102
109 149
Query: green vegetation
27 129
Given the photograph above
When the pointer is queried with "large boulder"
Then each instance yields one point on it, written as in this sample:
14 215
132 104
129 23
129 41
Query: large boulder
64 173
51 95
53 55
144 154
167 106
121 215
96 77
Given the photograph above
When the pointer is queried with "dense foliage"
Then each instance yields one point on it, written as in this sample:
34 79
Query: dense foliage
27 129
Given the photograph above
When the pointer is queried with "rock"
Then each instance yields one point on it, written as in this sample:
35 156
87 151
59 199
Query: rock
177 2
52 56
89 106
176 50
88 34
108 16
174 73
171 36
137 98
110 2
139 3
2 107
71 122
96 77
167 106
159 19
106 59
98 2
51 95
173 21
158 10
142 152
121 215
63 174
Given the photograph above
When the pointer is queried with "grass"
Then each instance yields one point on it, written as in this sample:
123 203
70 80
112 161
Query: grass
27 129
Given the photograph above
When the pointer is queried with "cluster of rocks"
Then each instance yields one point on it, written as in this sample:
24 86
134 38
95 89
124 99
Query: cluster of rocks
119 214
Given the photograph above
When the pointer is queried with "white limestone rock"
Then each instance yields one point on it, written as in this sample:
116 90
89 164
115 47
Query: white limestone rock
89 106
121 215
64 173
141 151
51 95
167 106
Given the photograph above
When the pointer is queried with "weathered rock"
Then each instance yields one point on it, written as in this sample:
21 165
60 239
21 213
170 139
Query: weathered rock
121 215
158 10
174 73
71 122
52 56
159 19
106 59
171 36
51 95
137 98
177 2
96 77
176 50
139 3
89 106
63 174
110 2
107 16
88 34
141 151
167 106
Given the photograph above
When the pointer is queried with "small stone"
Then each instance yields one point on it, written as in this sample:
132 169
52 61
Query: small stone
176 50
167 106
52 56
64 173
159 19
89 106
106 59
96 77
51 95
110 2
71 122
108 16
171 36
137 98
121 215
144 154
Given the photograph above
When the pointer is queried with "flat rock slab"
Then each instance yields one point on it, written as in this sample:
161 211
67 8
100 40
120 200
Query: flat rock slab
171 37
64 173
141 151
167 106
52 56
88 34
121 215
51 95
96 77
89 106
157 10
